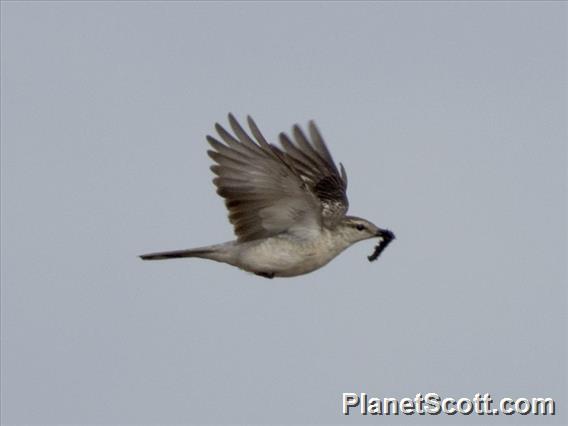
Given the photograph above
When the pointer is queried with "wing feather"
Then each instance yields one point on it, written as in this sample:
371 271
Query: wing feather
268 190
303 163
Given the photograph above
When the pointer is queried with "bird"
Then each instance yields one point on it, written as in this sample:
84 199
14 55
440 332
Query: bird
287 203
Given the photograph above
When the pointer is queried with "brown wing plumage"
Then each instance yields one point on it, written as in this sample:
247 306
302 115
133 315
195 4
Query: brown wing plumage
269 190
317 168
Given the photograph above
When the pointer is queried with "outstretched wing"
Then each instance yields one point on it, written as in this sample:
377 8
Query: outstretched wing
268 190
314 164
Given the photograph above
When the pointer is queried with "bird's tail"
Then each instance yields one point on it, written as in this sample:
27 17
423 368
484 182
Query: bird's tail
199 252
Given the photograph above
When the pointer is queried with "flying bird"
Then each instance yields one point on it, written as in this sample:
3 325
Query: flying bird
287 204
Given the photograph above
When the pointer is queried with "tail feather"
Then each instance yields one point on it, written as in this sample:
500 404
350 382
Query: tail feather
176 254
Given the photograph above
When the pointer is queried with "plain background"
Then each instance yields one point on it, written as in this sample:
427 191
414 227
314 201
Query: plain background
450 119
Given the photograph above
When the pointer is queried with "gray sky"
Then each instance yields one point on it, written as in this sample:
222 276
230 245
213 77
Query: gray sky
450 119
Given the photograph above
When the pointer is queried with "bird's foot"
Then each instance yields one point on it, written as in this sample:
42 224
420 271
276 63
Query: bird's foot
268 275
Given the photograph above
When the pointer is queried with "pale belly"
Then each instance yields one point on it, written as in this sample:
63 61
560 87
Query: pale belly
286 257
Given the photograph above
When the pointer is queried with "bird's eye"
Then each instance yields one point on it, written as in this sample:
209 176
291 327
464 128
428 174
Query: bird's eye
360 227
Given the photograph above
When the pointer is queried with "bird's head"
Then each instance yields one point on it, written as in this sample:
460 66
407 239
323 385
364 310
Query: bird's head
358 229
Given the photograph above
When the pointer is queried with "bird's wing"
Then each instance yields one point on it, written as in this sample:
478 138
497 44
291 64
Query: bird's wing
269 190
313 162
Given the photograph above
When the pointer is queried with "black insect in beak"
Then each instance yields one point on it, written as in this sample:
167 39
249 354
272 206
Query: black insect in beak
385 237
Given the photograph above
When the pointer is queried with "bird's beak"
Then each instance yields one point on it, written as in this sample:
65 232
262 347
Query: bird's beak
385 234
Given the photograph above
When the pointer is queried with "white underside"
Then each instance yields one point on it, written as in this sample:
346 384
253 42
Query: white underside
283 255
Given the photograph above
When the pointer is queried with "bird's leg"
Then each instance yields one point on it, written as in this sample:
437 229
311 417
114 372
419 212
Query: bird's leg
268 275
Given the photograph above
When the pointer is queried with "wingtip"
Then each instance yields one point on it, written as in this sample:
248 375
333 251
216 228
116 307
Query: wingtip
298 133
218 128
343 174
212 141
251 122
